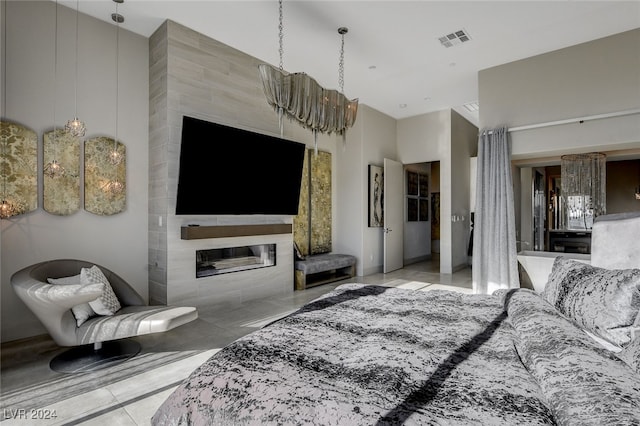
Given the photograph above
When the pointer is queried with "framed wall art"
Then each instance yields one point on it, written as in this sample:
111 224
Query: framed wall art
412 209
101 172
61 169
424 210
424 185
18 169
376 185
412 183
435 216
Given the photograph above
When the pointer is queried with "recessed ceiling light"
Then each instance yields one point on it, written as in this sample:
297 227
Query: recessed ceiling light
403 105
427 98
372 67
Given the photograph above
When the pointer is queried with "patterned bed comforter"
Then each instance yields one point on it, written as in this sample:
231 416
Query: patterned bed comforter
372 355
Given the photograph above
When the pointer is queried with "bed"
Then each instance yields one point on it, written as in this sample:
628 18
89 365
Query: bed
374 355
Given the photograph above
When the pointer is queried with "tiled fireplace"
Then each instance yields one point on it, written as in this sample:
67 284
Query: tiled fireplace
215 266
191 74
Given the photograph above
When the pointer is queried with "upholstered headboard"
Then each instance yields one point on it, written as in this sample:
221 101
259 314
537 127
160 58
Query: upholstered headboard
615 241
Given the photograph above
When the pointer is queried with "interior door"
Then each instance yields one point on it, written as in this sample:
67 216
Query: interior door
393 199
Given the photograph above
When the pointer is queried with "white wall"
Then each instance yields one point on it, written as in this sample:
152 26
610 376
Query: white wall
118 242
371 139
593 78
598 77
464 145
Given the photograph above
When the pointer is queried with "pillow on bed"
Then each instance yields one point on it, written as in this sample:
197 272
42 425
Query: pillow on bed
107 303
81 312
604 301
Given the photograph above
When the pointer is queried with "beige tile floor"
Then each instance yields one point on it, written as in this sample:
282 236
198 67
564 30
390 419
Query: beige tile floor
129 394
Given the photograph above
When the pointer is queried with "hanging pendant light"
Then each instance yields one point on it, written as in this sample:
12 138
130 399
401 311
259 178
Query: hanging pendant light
115 157
583 188
115 186
54 169
299 97
75 126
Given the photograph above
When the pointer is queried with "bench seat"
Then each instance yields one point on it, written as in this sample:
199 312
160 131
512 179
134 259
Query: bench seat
323 268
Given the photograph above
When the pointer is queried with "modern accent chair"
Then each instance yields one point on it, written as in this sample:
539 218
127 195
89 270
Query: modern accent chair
98 342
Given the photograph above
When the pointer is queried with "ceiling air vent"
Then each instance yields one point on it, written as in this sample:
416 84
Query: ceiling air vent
455 38
472 106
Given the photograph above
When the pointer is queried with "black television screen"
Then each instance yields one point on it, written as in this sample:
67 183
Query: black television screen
230 171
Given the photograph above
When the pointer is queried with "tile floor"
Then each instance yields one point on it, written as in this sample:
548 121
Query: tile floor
129 393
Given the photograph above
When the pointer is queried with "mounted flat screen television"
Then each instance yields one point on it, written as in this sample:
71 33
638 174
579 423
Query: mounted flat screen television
230 171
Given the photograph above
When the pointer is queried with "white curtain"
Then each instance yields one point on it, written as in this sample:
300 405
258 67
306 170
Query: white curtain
494 262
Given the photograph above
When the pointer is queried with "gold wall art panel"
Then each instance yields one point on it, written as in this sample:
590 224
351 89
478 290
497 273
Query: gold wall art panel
312 225
105 176
301 221
18 167
61 194
320 191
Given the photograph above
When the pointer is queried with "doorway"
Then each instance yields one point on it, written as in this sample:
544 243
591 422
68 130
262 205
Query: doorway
422 212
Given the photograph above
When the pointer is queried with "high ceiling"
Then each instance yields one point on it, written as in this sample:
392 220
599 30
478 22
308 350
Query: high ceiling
394 61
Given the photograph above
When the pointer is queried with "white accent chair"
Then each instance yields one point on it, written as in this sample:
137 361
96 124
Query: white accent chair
98 342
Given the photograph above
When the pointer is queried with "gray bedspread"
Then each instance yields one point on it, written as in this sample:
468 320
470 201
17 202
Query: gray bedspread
373 355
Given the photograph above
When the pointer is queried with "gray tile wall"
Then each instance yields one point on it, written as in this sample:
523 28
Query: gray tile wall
190 74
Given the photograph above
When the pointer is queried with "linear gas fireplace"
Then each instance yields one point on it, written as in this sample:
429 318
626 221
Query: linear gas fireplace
234 259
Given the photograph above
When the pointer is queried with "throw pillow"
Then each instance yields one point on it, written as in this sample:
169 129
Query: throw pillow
107 303
81 312
603 301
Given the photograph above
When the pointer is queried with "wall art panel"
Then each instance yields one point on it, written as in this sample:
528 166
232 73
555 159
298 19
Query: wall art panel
105 176
320 191
61 194
312 225
19 167
376 185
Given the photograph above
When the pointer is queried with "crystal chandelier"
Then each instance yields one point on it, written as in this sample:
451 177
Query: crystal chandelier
54 169
583 188
75 126
299 97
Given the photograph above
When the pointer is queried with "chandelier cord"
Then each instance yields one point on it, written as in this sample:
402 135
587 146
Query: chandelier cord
4 62
115 156
76 79
55 79
281 36
117 73
4 101
341 64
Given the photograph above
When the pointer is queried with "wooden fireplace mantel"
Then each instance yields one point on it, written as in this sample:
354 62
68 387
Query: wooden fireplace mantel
201 232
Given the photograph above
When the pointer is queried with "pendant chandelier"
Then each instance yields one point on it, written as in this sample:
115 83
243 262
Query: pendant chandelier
76 126
299 97
583 188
